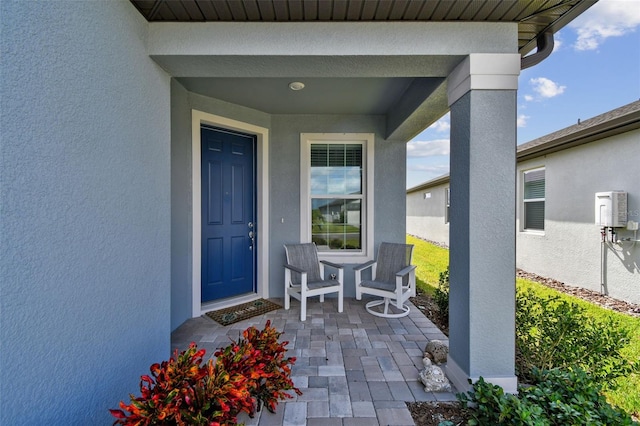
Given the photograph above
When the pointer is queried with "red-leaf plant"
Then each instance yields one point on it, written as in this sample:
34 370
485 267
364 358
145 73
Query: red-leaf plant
182 391
259 356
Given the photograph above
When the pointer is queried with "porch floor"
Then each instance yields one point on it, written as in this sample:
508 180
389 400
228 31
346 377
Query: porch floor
353 368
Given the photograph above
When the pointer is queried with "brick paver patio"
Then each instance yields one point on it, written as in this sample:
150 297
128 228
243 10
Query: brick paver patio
353 368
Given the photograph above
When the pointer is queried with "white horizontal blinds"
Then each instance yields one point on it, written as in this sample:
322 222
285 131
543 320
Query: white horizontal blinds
534 197
336 168
336 196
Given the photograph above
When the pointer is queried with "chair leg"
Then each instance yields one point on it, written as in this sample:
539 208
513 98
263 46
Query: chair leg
303 308
322 298
287 280
340 304
386 313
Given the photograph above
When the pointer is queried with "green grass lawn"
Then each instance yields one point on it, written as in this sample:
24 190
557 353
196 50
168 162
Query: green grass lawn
431 260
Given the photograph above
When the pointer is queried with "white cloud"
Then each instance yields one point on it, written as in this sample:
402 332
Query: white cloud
522 120
428 148
442 125
557 41
607 18
546 88
528 98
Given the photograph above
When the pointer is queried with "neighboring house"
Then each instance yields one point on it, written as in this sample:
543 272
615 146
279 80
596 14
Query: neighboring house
156 156
558 176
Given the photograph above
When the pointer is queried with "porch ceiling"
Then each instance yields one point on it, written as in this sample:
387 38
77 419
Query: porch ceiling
373 94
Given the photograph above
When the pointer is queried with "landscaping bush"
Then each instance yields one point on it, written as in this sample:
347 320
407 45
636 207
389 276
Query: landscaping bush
259 357
441 296
184 392
558 397
554 333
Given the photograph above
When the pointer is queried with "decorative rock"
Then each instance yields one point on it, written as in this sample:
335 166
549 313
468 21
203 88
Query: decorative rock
433 378
437 351
426 362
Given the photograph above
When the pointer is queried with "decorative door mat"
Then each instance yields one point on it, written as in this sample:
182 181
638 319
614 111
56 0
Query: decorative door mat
241 312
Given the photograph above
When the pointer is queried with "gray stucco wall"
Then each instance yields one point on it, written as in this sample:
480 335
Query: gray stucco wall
569 248
426 216
85 213
181 199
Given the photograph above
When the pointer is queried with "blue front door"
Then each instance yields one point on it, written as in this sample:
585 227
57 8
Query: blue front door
228 213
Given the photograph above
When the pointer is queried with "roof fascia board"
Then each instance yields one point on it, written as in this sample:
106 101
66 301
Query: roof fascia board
430 184
330 38
600 131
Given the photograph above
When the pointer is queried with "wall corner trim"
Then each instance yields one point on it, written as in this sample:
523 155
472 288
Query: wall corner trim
484 71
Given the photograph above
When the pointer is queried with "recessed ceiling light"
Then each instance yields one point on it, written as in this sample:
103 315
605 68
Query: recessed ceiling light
296 85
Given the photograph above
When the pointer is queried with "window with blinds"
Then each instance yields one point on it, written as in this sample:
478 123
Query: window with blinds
534 196
336 196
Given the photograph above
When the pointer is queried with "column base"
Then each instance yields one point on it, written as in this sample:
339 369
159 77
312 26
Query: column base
460 379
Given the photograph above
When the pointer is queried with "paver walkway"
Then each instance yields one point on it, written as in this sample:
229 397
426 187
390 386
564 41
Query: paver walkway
353 368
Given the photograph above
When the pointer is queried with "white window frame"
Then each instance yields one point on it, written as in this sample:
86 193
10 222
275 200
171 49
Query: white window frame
367 142
523 227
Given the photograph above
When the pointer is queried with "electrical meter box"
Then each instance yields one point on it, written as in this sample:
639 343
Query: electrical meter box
611 209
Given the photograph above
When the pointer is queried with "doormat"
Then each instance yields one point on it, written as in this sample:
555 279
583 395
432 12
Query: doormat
241 312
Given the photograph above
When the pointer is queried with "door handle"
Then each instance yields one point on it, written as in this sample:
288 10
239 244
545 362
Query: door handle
252 236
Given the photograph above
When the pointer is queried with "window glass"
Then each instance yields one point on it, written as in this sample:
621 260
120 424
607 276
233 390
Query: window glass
336 196
447 204
336 223
336 169
534 198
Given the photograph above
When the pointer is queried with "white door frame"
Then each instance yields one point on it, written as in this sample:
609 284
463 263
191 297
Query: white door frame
262 207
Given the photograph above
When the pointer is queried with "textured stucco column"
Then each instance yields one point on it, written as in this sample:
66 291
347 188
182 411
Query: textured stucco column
482 99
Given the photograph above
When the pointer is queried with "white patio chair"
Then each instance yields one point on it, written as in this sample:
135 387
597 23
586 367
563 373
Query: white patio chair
393 278
304 277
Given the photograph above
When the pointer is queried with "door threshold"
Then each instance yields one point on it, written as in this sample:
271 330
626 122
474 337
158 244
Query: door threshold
227 303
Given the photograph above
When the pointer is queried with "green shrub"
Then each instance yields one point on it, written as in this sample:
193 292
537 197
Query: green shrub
558 397
554 333
441 295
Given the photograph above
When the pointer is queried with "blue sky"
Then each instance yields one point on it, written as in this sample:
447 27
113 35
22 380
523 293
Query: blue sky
594 68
